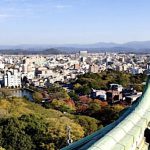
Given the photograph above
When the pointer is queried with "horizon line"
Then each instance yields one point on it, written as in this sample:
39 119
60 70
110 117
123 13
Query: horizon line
107 42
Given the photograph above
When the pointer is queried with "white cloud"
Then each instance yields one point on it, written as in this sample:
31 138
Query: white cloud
28 8
62 6
4 16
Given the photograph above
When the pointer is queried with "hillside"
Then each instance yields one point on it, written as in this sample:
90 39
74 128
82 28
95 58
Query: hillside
18 117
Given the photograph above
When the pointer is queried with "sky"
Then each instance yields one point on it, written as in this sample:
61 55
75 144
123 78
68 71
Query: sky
73 21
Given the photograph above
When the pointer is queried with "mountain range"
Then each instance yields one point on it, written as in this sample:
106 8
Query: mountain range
134 46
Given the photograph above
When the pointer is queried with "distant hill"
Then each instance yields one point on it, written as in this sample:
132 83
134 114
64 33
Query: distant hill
51 51
137 45
31 52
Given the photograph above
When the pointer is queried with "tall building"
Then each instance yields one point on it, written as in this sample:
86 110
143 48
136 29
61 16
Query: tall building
83 53
148 68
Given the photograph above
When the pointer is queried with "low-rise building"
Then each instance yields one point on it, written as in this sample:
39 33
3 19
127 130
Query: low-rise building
100 94
114 96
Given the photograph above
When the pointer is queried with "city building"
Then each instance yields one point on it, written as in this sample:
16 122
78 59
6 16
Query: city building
94 68
83 53
12 79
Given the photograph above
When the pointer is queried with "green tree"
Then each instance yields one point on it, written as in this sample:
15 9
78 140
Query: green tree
89 124
74 96
109 114
26 132
93 108
57 92
84 90
37 129
12 136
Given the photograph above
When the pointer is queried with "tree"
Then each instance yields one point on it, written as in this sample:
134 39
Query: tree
62 106
27 132
37 129
57 92
84 90
138 87
89 124
77 85
93 108
109 114
74 96
37 96
12 136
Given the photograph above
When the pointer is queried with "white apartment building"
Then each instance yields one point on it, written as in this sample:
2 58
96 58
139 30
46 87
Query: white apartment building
2 65
12 79
83 53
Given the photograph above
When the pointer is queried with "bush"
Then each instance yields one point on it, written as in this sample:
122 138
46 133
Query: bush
37 96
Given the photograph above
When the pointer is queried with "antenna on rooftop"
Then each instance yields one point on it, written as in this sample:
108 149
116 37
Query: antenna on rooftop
69 140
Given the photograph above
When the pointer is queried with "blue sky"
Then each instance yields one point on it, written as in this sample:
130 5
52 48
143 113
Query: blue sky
73 21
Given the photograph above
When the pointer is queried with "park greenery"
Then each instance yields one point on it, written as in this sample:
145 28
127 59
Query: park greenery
86 82
42 125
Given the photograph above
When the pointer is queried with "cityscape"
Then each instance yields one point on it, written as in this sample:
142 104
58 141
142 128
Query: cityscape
74 75
83 85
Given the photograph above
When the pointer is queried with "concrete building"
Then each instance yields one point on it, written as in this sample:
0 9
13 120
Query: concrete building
12 79
94 68
113 96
